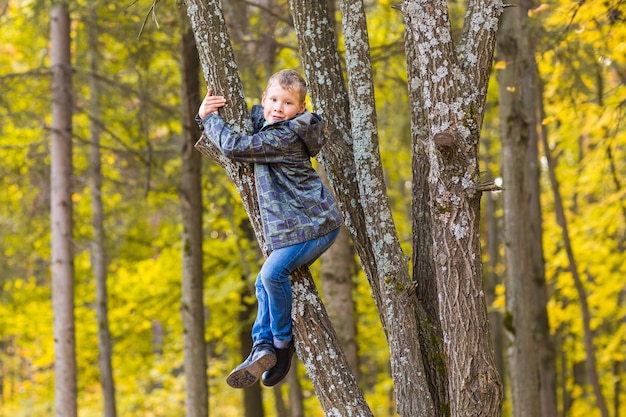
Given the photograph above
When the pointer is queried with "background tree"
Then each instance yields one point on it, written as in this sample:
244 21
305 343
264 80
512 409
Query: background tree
517 122
192 303
98 247
61 167
573 45
590 349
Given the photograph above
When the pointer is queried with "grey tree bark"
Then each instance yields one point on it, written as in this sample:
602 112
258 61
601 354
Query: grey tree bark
192 304
452 83
492 277
423 260
336 282
515 128
316 341
98 247
545 343
353 169
61 215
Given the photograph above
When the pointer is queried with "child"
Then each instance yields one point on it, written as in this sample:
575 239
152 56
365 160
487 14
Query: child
300 218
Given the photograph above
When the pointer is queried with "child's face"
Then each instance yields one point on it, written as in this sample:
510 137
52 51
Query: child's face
280 104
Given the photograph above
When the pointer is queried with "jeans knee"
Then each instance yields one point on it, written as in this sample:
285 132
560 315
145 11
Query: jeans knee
274 278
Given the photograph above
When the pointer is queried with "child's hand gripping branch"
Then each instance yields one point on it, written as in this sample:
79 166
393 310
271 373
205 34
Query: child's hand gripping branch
210 104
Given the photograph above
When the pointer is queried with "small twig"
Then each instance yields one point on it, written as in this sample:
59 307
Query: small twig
151 10
488 186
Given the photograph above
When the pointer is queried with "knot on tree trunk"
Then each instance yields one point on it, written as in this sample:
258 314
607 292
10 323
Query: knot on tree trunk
444 139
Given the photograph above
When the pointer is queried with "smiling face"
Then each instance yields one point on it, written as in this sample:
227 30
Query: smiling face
280 103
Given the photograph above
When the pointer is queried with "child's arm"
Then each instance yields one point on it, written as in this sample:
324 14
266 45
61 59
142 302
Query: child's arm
268 146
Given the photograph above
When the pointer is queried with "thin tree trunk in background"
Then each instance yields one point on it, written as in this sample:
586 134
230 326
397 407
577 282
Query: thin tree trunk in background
566 394
296 398
98 248
545 341
61 214
2 366
336 282
192 303
252 396
515 126
492 278
618 365
590 351
617 374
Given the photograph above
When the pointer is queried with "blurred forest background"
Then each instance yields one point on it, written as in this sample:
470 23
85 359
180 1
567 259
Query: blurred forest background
581 54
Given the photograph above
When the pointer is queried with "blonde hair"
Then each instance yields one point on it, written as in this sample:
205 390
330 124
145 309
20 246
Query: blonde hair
290 80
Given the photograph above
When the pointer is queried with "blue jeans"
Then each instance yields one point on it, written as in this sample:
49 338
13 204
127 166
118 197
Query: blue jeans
273 287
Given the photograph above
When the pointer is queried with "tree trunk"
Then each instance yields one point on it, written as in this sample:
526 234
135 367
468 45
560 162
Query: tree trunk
618 364
379 227
192 304
316 342
453 95
336 281
423 260
544 341
353 169
337 286
98 247
492 278
296 399
252 396
515 126
590 351
62 262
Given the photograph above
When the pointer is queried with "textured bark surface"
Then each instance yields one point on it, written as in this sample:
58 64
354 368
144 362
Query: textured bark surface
316 342
541 332
514 130
452 101
192 302
61 215
353 168
336 282
431 334
527 307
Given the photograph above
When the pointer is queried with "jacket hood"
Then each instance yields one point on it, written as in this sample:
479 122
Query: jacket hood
310 128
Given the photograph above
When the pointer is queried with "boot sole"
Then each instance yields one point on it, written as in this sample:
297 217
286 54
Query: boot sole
245 377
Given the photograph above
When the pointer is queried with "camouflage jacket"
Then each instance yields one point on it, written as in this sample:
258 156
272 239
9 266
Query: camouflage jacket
295 205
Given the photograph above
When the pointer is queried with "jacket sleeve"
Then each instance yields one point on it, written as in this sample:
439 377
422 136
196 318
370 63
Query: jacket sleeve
266 146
